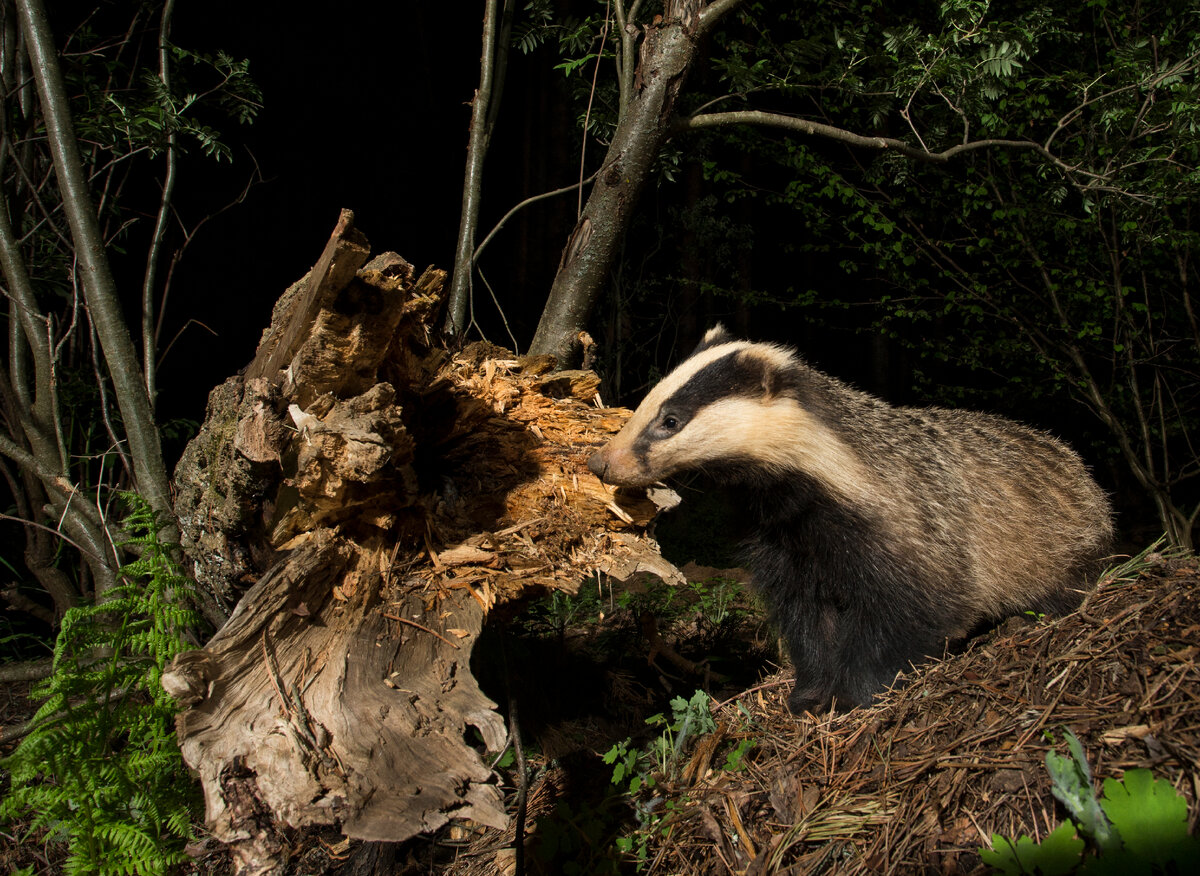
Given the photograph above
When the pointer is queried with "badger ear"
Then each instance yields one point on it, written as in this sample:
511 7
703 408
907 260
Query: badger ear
718 334
760 373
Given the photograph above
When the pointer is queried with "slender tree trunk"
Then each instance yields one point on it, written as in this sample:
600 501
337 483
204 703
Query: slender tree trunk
149 335
588 257
33 416
666 54
98 285
496 29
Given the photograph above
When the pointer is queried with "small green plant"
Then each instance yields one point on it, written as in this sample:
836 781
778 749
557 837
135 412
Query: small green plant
558 612
1071 785
1058 853
635 770
717 600
735 760
624 761
100 769
1128 571
1137 826
688 718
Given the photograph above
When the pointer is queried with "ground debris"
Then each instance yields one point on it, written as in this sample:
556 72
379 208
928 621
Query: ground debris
956 752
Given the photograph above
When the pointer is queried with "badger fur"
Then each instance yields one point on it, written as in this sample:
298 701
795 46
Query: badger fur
879 532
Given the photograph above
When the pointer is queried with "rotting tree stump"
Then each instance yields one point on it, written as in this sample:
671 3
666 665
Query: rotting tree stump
363 498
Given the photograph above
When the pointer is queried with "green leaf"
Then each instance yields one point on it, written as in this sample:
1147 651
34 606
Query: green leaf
1060 851
1057 854
1150 815
1071 784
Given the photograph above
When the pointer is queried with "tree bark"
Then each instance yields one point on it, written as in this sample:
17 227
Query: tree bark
98 285
667 52
379 497
484 109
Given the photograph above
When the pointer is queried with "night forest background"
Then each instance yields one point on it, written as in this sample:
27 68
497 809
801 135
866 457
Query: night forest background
786 238
1024 244
783 237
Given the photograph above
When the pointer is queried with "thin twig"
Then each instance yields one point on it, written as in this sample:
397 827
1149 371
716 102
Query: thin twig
531 200
426 629
500 310
587 114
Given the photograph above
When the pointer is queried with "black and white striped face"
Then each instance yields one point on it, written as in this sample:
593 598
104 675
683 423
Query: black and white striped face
731 404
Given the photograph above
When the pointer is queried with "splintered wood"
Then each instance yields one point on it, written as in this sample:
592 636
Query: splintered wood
362 499
524 514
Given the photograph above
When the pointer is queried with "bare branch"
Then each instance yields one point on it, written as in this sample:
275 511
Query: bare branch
714 12
99 286
587 114
627 55
149 347
34 327
29 462
30 670
531 200
830 132
885 144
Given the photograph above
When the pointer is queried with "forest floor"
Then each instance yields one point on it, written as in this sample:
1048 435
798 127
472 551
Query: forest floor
916 784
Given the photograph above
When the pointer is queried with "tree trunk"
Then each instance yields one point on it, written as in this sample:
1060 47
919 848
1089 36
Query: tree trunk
482 118
379 497
667 52
99 288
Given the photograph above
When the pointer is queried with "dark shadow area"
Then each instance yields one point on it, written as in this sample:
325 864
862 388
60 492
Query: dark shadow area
587 671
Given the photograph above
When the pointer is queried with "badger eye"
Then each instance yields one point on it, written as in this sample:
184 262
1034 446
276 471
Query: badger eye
670 421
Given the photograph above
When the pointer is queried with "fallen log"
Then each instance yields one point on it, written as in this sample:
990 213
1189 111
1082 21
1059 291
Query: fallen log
363 498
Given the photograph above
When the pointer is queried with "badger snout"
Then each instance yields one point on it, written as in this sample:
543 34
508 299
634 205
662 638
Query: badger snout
618 465
598 463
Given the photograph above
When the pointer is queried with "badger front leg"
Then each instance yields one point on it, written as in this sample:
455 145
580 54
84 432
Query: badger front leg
839 659
815 648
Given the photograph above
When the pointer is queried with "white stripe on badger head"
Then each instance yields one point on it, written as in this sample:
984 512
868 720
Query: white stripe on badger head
647 411
774 433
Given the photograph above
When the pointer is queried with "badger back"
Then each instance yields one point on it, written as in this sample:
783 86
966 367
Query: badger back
1015 504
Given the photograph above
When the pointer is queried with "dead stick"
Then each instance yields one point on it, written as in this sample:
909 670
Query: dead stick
405 620
757 687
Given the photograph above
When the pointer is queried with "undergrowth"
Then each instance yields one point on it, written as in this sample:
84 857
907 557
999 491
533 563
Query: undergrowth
639 771
1138 826
100 770
591 651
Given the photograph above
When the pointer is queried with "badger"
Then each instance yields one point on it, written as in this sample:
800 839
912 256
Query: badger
879 533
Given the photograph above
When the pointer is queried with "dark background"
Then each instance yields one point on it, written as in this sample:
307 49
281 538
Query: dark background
366 106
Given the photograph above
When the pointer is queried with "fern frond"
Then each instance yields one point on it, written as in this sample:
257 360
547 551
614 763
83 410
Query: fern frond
101 769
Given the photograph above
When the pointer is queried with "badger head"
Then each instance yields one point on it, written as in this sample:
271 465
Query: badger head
732 407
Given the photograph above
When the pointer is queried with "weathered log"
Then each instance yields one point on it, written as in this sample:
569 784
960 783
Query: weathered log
366 498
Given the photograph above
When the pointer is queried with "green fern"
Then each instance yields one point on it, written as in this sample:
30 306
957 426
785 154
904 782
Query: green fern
101 771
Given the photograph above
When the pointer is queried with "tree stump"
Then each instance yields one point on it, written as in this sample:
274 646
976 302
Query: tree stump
365 498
